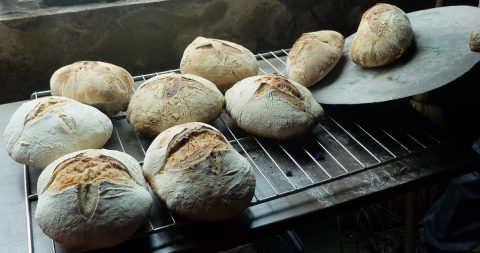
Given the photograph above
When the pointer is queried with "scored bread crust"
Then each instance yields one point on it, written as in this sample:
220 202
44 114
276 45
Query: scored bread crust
44 129
475 41
222 62
383 35
198 174
100 84
172 99
313 56
272 107
92 199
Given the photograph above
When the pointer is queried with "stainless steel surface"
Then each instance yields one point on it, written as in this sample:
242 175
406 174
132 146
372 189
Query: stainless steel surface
347 142
439 55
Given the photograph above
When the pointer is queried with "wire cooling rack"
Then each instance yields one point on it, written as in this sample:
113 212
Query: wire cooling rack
349 140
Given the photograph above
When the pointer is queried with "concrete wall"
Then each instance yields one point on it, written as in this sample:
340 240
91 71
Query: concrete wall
149 36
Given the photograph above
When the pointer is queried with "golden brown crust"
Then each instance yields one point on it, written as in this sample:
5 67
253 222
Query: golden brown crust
192 145
102 85
83 169
44 106
222 62
172 99
313 56
383 35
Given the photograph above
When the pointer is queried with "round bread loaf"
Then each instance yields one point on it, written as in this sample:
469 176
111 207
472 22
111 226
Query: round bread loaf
172 99
92 199
222 62
383 35
313 55
475 41
272 107
46 128
102 85
198 174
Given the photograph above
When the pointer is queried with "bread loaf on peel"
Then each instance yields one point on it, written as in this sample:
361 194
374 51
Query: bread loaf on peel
383 35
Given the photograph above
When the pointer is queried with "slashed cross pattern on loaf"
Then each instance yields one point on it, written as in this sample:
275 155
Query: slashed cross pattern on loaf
191 145
270 84
86 173
44 107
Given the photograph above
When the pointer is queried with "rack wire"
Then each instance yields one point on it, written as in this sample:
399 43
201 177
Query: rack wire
348 141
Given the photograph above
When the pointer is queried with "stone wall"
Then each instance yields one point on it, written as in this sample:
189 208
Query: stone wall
150 36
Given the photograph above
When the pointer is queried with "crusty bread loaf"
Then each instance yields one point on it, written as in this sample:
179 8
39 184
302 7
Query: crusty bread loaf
383 35
102 85
475 41
92 199
272 107
222 62
44 129
313 55
198 174
172 99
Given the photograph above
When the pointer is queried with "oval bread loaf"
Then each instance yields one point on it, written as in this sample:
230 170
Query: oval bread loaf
475 41
198 174
222 62
92 199
172 99
47 128
272 107
313 55
383 35
102 85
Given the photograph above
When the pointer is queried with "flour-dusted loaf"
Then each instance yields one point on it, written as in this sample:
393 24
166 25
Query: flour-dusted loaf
198 174
102 85
475 41
313 55
222 62
46 128
383 35
272 107
172 99
92 199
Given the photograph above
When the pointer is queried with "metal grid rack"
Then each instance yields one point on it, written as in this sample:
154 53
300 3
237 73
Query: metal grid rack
349 140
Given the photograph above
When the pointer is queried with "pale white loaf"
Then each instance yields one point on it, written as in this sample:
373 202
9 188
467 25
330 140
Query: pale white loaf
383 35
198 174
102 85
172 99
272 107
44 129
313 55
222 62
92 199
